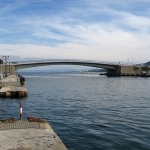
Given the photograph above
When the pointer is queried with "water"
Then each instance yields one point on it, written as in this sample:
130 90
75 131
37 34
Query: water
88 111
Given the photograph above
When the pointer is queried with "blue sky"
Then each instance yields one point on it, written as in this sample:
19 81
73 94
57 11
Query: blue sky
110 30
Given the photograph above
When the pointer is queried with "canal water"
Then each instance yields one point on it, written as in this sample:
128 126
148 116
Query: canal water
88 111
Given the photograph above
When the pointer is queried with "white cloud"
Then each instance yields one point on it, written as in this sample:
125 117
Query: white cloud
11 6
123 36
102 45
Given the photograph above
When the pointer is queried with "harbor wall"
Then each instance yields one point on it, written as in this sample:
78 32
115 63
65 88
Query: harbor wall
129 70
12 80
135 70
32 133
13 86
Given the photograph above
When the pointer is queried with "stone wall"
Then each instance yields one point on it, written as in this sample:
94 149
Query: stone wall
135 70
127 69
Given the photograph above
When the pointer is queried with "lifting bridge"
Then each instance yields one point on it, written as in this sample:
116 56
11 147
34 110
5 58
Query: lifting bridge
11 68
111 67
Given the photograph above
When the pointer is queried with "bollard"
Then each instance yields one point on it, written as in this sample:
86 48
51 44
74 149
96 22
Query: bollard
20 110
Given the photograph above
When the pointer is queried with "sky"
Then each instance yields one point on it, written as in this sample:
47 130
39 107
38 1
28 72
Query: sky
103 30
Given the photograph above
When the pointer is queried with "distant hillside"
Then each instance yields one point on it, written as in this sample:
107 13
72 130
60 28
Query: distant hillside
147 64
98 70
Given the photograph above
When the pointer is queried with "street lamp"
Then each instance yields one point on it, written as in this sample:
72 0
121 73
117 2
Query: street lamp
128 61
1 62
133 60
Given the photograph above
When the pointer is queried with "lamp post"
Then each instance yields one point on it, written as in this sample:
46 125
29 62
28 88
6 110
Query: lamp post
1 61
133 60
128 61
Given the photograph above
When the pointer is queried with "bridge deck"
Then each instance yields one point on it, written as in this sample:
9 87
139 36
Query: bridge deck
96 64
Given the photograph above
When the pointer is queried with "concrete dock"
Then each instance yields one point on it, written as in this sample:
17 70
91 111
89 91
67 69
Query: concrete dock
28 134
13 86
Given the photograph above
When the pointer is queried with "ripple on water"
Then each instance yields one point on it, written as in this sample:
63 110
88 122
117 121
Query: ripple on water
89 111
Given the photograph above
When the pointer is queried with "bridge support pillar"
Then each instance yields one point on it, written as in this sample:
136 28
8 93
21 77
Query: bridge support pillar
116 72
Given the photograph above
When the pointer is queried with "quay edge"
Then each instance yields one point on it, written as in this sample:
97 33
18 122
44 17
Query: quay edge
30 134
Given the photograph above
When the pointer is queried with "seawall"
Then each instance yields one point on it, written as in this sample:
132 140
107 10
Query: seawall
30 134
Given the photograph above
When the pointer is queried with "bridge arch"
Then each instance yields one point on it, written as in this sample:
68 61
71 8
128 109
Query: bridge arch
80 63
